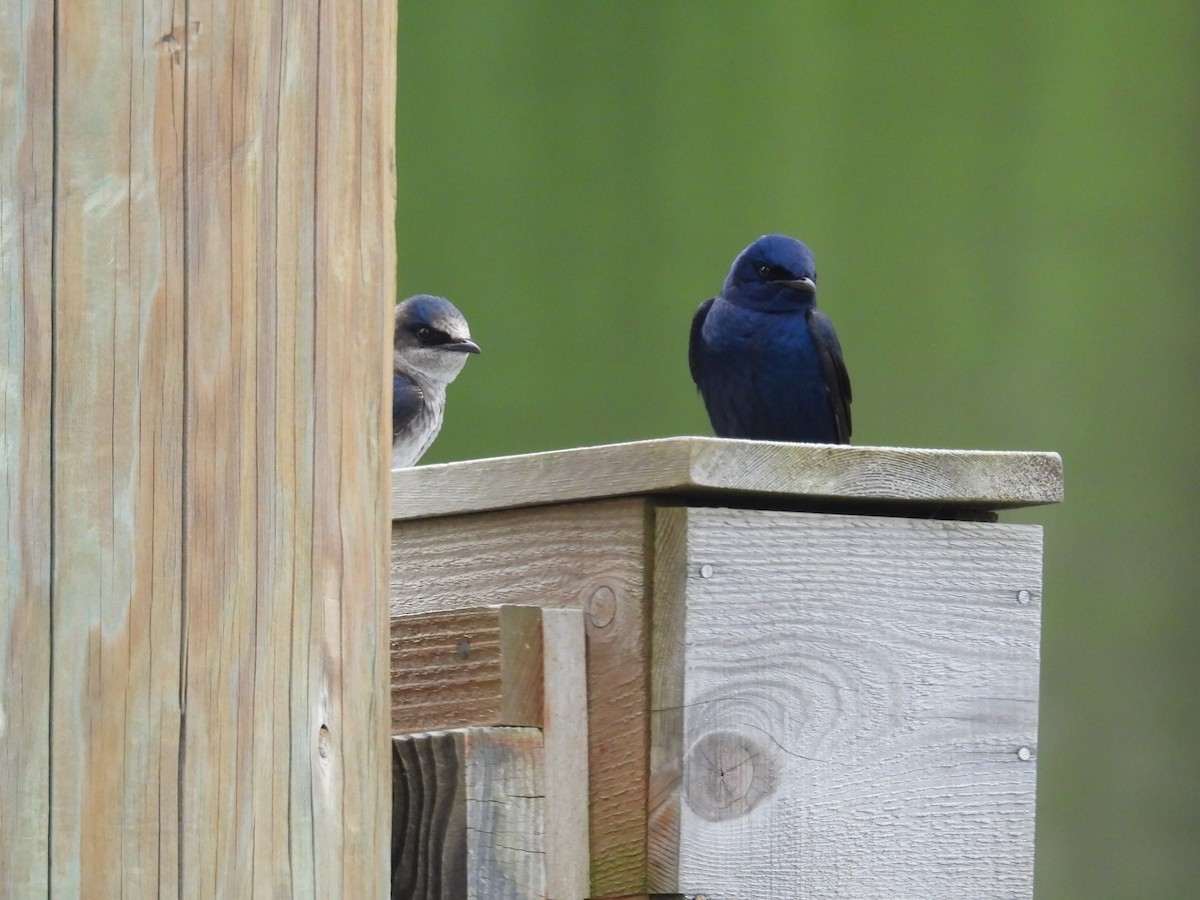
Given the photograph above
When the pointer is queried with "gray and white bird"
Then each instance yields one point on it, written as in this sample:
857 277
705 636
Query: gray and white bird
431 346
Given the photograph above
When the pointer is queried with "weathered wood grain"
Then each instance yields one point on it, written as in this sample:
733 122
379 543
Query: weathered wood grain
118 332
507 665
468 815
354 263
26 216
505 799
469 667
667 653
565 739
196 220
949 481
289 284
230 651
587 556
859 703
429 816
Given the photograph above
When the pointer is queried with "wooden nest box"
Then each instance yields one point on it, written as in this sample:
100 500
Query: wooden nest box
726 668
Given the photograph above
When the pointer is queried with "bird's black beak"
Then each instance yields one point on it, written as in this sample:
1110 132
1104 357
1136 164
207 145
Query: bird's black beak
464 346
801 284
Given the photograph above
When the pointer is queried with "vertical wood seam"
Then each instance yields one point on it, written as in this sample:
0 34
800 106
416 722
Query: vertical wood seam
650 539
184 460
51 550
318 602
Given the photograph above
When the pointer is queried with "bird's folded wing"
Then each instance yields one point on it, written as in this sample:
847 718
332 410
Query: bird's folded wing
406 403
696 342
833 367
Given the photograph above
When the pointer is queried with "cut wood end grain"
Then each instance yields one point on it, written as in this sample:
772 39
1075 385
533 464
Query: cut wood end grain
468 814
719 470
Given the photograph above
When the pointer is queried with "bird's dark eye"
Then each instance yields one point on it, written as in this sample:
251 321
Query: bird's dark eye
772 273
430 336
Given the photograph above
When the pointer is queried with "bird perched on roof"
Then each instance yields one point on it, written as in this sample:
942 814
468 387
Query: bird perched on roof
767 361
431 345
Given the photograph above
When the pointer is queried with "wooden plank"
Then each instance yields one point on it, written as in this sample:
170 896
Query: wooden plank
668 619
354 260
288 374
455 669
286 764
118 336
565 736
944 482
467 815
587 556
230 652
860 706
26 179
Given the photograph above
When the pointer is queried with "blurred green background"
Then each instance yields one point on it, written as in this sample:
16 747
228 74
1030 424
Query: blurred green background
1004 203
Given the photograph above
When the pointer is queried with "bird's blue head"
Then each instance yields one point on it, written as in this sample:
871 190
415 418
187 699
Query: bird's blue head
775 273
432 338
426 321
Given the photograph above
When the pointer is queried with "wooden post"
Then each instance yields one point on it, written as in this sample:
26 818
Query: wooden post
197 261
811 671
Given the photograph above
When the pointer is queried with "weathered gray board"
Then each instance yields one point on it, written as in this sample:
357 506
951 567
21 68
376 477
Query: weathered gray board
844 706
704 468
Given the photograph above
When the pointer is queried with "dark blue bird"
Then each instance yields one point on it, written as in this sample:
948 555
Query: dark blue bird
432 341
766 360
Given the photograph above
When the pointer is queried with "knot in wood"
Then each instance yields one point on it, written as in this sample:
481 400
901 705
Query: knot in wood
324 743
726 775
601 606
